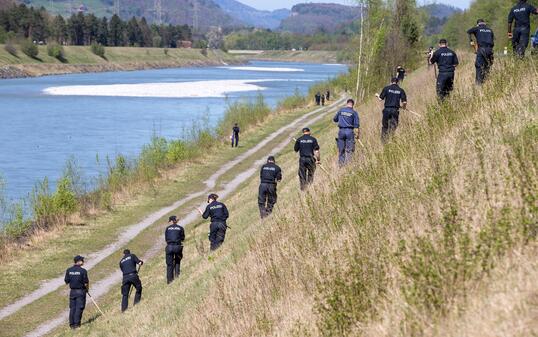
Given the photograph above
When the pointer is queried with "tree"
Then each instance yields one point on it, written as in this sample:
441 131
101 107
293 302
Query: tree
59 30
134 34
146 34
102 32
75 29
115 31
91 27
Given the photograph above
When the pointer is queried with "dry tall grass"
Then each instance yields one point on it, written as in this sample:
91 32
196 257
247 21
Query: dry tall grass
401 238
412 239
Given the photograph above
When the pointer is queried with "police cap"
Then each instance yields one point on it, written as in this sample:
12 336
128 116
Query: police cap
78 258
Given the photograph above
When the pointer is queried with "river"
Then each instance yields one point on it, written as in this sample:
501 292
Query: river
44 122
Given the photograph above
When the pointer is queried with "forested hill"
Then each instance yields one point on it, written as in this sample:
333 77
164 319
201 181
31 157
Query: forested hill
176 12
438 15
252 16
311 18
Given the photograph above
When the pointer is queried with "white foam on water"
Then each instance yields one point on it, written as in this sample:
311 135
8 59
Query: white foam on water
198 89
267 69
163 90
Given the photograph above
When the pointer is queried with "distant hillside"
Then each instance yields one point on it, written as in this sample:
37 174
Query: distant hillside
173 11
6 3
440 11
438 15
252 16
312 18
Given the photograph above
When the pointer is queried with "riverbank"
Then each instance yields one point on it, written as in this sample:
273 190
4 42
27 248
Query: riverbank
80 59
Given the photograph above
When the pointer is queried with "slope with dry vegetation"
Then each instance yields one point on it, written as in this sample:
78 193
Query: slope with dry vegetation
425 236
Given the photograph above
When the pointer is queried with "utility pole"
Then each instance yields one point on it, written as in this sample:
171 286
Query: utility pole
157 7
117 7
196 17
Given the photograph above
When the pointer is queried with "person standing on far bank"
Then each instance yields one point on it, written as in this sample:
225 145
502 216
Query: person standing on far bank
447 61
77 279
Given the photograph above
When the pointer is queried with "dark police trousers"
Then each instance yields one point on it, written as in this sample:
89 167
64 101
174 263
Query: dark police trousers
217 233
266 198
235 139
389 123
77 303
346 144
128 281
445 84
484 61
174 254
307 167
520 40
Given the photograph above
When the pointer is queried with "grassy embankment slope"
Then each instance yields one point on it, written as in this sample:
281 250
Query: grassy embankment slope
18 276
80 59
433 234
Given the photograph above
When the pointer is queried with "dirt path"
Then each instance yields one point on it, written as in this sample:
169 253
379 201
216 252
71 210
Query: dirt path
131 232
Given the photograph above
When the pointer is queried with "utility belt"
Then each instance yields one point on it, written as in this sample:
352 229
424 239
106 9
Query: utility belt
268 182
174 243
485 46
130 274
78 289
347 127
392 108
306 157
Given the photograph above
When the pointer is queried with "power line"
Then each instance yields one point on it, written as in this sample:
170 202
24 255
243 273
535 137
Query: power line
157 4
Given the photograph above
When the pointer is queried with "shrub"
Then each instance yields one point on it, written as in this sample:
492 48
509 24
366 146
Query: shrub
55 50
29 48
3 35
244 113
165 51
293 102
11 49
178 150
17 225
64 199
98 50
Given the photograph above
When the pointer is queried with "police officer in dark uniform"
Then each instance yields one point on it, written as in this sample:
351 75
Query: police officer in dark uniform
270 175
128 266
318 98
235 135
400 73
446 60
484 53
348 121
328 95
308 149
323 100
520 13
395 98
218 213
174 235
77 278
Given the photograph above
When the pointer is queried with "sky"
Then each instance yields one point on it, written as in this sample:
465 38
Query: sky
275 4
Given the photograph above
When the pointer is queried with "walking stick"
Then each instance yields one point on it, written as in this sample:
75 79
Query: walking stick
95 303
323 168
